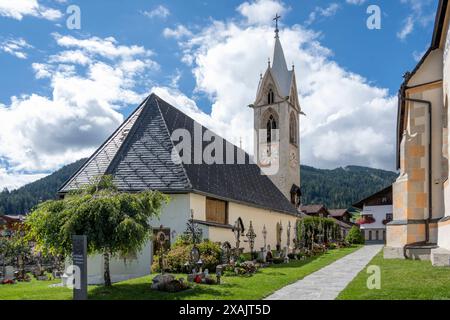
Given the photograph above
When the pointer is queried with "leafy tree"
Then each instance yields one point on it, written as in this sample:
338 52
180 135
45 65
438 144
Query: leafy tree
115 223
354 236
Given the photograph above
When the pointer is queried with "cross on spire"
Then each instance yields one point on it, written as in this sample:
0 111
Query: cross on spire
277 17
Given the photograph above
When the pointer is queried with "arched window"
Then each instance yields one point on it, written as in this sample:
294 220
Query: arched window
293 134
270 97
271 127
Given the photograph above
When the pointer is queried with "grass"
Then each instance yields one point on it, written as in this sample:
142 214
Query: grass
401 280
260 285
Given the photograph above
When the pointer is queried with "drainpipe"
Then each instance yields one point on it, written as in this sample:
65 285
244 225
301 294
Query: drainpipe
430 213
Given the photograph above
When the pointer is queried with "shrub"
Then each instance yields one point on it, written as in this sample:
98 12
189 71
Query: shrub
354 236
179 254
311 225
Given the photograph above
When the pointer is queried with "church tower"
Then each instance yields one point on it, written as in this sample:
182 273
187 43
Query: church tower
276 124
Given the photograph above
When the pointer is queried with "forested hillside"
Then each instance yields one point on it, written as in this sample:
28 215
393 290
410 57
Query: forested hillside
338 188
341 187
20 201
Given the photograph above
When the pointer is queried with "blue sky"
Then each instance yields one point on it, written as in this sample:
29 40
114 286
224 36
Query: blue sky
63 91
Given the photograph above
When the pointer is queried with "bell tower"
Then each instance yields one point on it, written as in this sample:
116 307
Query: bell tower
276 124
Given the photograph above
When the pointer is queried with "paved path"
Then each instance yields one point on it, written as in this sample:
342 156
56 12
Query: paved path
328 282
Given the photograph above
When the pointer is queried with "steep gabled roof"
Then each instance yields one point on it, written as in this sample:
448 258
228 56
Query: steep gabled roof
386 191
312 208
337 212
142 160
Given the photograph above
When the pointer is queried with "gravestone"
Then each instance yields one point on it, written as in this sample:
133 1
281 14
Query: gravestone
9 273
79 245
226 253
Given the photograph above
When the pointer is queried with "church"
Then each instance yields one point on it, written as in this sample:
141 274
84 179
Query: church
156 148
421 195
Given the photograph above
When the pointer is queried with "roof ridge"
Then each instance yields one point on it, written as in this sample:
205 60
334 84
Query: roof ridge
156 97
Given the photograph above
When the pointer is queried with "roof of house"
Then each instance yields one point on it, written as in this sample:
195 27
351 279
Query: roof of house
12 219
312 208
360 204
337 212
347 225
139 157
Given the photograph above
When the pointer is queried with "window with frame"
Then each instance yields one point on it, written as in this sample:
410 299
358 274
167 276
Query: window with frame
270 97
292 129
216 211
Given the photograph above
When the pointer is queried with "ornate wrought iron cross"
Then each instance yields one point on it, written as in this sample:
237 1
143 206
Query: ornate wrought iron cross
251 235
193 230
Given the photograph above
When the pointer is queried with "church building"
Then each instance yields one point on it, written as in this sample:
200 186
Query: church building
421 195
156 149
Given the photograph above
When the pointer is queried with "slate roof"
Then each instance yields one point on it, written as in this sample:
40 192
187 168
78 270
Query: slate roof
343 224
337 212
312 208
138 156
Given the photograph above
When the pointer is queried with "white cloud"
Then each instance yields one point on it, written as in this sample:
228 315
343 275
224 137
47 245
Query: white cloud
422 13
105 47
15 47
329 11
357 2
261 11
159 12
16 180
91 79
407 28
179 32
348 120
17 9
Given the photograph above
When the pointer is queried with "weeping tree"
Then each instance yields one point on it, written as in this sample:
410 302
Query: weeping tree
115 223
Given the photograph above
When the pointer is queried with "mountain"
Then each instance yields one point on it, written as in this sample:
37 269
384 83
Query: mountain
20 201
341 187
338 188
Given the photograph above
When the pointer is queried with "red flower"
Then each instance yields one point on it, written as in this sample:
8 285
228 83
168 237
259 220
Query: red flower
365 220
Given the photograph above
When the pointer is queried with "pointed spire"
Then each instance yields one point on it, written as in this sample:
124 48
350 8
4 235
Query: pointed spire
279 65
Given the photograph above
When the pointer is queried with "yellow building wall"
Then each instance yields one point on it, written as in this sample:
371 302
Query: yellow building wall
258 217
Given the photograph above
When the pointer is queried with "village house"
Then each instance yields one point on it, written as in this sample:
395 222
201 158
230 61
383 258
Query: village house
341 215
421 195
157 148
376 213
9 224
315 210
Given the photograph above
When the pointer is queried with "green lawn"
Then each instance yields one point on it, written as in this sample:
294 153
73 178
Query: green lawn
401 280
260 285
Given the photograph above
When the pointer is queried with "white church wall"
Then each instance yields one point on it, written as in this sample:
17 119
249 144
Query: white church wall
174 215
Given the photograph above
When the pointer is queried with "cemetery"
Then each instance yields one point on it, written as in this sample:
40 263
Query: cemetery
196 268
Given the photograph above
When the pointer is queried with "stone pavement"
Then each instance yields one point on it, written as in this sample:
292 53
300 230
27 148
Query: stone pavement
328 282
